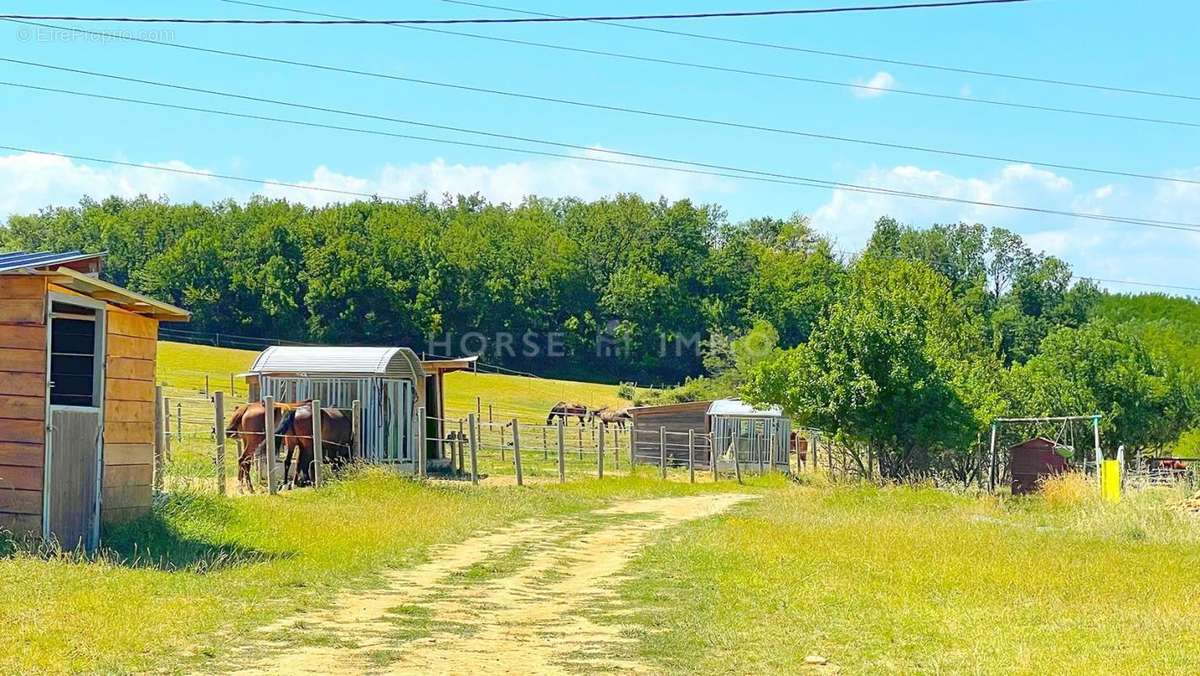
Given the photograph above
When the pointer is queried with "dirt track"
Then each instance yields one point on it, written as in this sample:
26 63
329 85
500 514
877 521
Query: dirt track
507 602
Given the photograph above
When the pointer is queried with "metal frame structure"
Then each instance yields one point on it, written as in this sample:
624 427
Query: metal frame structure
994 465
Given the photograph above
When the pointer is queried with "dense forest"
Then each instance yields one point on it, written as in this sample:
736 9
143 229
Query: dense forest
909 347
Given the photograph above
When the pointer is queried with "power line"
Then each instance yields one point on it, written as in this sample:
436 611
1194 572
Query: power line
201 174
721 172
820 52
327 109
777 76
1147 284
535 20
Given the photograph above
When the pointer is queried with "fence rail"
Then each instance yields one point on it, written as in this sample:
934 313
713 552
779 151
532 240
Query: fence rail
192 450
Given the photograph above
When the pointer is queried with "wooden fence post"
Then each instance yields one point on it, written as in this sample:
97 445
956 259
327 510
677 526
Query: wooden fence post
268 444
712 455
356 430
737 463
632 448
462 446
422 453
502 442
207 393
219 414
616 448
600 452
562 451
691 456
579 440
474 444
160 443
232 388
179 420
516 425
489 414
759 442
166 429
318 445
545 446
662 452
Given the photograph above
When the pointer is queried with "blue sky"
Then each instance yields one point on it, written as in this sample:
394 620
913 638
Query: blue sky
1095 41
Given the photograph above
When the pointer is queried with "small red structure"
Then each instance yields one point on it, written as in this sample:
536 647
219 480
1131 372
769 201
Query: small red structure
1033 460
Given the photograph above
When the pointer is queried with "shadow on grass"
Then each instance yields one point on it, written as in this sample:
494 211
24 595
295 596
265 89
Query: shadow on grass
154 541
157 540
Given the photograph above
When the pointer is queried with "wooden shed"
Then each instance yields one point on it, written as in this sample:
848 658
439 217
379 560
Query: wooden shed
77 371
1033 460
761 437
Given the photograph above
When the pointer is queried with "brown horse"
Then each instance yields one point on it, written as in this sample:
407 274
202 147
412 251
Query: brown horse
248 426
611 416
568 409
296 430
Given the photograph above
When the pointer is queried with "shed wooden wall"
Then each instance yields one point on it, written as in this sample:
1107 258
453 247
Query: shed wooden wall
128 416
22 401
675 418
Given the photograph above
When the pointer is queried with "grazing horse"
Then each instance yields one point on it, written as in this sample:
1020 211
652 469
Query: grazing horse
296 430
248 426
568 409
611 416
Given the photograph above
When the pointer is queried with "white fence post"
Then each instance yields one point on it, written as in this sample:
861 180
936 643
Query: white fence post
422 453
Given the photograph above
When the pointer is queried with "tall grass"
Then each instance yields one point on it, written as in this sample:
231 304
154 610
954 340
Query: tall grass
914 580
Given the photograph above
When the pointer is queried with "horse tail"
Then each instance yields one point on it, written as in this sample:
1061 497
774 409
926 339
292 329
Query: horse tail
284 426
235 423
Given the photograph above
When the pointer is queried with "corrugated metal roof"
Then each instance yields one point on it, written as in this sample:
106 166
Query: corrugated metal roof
398 362
15 260
738 408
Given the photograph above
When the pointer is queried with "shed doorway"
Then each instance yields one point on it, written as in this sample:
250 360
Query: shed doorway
75 392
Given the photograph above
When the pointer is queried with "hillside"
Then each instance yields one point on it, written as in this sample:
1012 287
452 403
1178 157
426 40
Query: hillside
182 369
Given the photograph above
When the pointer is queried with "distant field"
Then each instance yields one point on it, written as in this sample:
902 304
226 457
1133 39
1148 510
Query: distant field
182 369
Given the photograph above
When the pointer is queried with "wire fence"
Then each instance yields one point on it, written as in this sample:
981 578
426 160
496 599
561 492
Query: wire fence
193 451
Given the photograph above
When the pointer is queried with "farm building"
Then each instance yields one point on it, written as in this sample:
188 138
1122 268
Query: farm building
760 436
390 383
1033 460
77 362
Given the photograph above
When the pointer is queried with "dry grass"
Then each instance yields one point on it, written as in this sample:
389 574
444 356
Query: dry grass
914 580
1069 489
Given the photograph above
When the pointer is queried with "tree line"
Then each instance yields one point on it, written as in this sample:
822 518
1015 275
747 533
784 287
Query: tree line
909 347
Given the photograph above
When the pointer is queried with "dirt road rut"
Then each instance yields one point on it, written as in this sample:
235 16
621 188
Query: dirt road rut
507 602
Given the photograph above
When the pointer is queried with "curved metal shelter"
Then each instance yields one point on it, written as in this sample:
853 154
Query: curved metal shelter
389 382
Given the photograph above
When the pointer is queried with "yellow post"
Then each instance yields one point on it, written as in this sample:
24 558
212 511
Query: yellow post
1110 481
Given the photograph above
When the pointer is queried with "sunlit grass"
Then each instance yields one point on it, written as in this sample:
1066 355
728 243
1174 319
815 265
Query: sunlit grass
916 580
180 588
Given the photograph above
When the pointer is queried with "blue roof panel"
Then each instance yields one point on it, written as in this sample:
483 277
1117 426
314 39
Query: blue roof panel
16 260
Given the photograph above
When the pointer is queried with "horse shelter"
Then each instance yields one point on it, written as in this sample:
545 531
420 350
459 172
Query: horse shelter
755 437
391 384
77 418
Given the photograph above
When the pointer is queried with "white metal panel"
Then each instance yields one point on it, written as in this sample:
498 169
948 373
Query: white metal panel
735 407
398 362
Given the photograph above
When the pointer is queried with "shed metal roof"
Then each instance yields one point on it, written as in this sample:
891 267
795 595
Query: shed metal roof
17 260
400 362
740 409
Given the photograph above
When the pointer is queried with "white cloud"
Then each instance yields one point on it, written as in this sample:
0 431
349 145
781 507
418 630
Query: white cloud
1094 248
30 181
510 182
879 84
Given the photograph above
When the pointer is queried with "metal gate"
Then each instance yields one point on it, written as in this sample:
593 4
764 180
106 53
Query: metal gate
388 408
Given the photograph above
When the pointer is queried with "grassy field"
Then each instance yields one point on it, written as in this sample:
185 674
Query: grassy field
177 590
904 580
